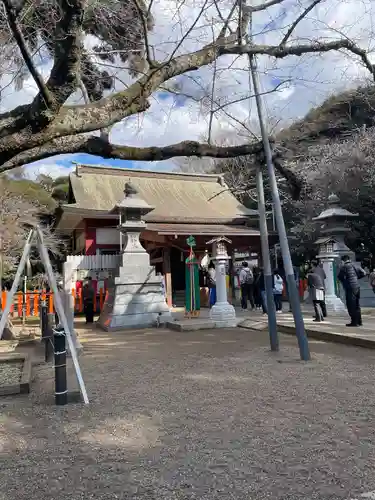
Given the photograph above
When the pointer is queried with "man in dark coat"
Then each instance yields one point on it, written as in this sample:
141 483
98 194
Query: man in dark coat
349 276
89 296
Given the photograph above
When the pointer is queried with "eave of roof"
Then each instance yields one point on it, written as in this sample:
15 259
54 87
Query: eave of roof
176 196
202 229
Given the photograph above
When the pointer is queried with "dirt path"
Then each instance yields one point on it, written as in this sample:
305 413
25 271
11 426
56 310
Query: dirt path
205 415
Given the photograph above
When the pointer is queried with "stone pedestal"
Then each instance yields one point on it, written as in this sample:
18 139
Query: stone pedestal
222 313
136 298
334 304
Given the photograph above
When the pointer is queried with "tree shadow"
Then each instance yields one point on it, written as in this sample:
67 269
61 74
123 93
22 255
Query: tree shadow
186 416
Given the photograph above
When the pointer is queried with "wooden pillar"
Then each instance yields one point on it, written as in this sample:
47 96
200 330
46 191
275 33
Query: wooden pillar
167 274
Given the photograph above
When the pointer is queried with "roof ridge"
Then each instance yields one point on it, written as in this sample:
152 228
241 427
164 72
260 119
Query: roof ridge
108 170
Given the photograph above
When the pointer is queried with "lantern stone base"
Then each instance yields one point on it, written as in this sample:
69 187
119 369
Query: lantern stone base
334 305
135 300
223 315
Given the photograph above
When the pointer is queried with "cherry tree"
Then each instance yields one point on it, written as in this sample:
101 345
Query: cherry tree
83 38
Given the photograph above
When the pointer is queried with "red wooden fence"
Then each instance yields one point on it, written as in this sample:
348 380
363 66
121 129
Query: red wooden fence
30 301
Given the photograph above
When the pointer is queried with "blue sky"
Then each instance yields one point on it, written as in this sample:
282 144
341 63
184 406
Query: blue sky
61 165
307 81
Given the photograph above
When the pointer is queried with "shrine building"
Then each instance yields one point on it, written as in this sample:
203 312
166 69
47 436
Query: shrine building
184 204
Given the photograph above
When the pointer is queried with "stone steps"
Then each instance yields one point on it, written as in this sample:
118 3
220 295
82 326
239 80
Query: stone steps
367 295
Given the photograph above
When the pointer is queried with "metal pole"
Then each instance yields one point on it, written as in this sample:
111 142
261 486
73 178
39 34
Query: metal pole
284 246
61 390
276 257
46 331
60 311
120 222
268 279
24 300
1 266
274 229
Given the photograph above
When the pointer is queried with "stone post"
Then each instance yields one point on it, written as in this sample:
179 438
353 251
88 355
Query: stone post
222 313
333 303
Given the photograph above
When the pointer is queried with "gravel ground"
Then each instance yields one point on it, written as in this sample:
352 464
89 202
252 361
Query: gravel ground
10 373
204 415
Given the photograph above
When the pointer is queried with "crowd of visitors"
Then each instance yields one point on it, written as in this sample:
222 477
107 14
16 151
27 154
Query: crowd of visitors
253 289
252 282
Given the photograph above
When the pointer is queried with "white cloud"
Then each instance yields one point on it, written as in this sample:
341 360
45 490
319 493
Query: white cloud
52 167
309 79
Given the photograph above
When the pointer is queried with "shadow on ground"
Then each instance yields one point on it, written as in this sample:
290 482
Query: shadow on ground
200 415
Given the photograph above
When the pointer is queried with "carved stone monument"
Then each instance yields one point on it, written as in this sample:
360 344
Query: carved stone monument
136 297
222 313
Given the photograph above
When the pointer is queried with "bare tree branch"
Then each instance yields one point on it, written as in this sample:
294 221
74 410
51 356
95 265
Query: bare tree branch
11 15
108 111
227 21
143 18
264 6
20 136
97 146
212 112
67 53
298 20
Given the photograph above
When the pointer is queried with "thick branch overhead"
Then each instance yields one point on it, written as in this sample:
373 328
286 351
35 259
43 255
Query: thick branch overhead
97 146
49 126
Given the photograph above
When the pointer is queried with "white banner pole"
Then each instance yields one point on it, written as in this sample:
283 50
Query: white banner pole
61 313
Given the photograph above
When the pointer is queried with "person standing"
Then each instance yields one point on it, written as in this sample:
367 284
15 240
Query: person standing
316 286
88 296
318 269
278 287
211 283
349 276
247 286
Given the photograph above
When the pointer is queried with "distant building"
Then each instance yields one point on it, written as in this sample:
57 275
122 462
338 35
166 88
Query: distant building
185 204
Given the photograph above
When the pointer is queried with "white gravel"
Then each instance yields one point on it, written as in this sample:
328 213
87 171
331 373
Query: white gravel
10 372
204 415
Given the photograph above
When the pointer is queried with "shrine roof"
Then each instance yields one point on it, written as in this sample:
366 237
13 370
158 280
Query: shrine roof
176 196
331 213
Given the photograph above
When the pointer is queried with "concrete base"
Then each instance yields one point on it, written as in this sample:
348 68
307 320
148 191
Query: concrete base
195 324
23 386
190 325
335 305
131 304
223 315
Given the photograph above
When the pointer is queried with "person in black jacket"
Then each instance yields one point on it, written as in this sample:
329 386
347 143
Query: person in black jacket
349 276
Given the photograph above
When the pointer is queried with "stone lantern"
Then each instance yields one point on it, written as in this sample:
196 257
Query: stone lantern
334 227
131 210
136 297
332 247
222 313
